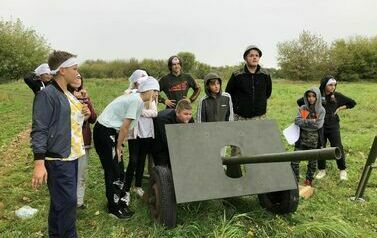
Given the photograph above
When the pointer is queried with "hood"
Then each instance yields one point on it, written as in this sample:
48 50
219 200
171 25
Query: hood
318 102
323 84
207 78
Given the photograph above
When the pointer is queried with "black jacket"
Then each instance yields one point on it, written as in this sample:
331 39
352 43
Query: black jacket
249 92
160 145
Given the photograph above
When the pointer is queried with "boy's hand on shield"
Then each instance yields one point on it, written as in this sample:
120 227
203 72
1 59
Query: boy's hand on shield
39 174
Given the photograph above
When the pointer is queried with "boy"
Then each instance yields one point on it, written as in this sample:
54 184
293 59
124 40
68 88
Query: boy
310 120
216 105
176 84
57 143
182 114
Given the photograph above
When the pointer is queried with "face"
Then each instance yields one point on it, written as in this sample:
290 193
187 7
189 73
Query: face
176 68
214 86
45 77
150 95
184 116
330 88
252 58
77 83
70 75
311 98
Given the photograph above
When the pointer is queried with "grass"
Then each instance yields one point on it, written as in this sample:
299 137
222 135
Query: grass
329 213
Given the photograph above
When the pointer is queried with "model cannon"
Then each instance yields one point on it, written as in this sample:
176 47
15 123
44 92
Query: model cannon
199 169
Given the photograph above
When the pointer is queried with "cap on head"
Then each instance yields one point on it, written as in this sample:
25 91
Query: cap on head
149 83
136 75
251 47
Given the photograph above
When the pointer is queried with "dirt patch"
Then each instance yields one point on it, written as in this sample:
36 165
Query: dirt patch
16 151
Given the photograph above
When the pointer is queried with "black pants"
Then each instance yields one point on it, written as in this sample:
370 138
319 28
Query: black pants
105 140
62 186
333 135
138 150
312 166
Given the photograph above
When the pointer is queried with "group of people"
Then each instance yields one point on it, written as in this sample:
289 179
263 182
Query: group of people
62 112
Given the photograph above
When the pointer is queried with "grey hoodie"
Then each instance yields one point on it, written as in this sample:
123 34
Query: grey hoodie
319 110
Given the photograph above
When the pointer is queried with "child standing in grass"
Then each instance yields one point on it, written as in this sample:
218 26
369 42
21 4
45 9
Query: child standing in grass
215 105
81 94
110 132
310 119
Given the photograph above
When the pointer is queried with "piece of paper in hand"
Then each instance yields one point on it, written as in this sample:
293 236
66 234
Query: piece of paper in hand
292 133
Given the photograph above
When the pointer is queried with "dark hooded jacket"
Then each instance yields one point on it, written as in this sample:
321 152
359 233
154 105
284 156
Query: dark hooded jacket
310 119
331 102
214 108
249 92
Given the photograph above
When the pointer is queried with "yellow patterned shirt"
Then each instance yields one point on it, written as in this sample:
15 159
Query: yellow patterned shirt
77 120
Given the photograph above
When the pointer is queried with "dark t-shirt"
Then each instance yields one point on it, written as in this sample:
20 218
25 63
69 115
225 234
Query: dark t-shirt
176 87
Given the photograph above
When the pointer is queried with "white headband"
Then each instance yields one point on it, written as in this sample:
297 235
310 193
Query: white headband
66 64
331 81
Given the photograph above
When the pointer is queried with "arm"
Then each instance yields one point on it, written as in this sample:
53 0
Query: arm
42 112
93 116
268 86
200 114
123 132
344 102
151 112
167 102
196 88
231 115
30 81
230 87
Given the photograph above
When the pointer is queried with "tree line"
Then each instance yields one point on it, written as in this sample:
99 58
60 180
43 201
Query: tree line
307 58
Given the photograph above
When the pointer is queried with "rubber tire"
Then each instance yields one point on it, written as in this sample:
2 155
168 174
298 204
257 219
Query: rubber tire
162 202
281 202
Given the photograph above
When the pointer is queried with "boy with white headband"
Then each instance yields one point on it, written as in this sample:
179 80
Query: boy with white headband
333 102
39 79
58 145
109 134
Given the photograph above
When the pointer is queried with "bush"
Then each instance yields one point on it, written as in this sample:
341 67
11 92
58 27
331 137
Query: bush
21 50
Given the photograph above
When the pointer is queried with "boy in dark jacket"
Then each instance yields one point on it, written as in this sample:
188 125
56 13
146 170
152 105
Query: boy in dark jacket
215 105
310 119
333 102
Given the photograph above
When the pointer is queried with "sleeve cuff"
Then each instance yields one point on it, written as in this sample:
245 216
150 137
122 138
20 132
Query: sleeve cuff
39 156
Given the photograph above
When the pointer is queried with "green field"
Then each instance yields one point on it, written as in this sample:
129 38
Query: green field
329 213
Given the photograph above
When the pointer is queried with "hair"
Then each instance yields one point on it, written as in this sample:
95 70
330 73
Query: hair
56 58
183 104
170 63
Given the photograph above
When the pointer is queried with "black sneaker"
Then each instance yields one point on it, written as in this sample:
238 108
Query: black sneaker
121 212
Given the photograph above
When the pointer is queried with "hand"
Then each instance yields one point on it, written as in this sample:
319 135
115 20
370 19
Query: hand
119 152
86 111
170 103
84 93
39 174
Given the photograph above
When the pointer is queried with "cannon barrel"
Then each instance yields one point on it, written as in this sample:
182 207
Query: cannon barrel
301 155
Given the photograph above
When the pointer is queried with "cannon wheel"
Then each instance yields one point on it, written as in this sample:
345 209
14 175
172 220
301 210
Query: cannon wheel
280 202
161 196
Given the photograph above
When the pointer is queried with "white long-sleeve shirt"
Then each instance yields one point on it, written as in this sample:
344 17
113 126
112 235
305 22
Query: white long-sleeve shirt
144 127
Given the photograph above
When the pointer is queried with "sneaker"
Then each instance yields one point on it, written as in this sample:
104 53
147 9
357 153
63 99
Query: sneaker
139 191
308 182
126 199
121 213
343 175
321 174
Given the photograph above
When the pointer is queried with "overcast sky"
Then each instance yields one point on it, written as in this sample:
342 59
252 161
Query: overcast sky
216 31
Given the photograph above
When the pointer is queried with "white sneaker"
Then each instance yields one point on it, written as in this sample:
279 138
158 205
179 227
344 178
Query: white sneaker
139 191
343 175
321 174
126 198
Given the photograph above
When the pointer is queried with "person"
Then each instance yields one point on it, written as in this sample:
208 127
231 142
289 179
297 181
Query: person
176 84
181 114
250 87
215 105
57 143
38 79
310 119
140 140
109 133
82 95
135 76
333 102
